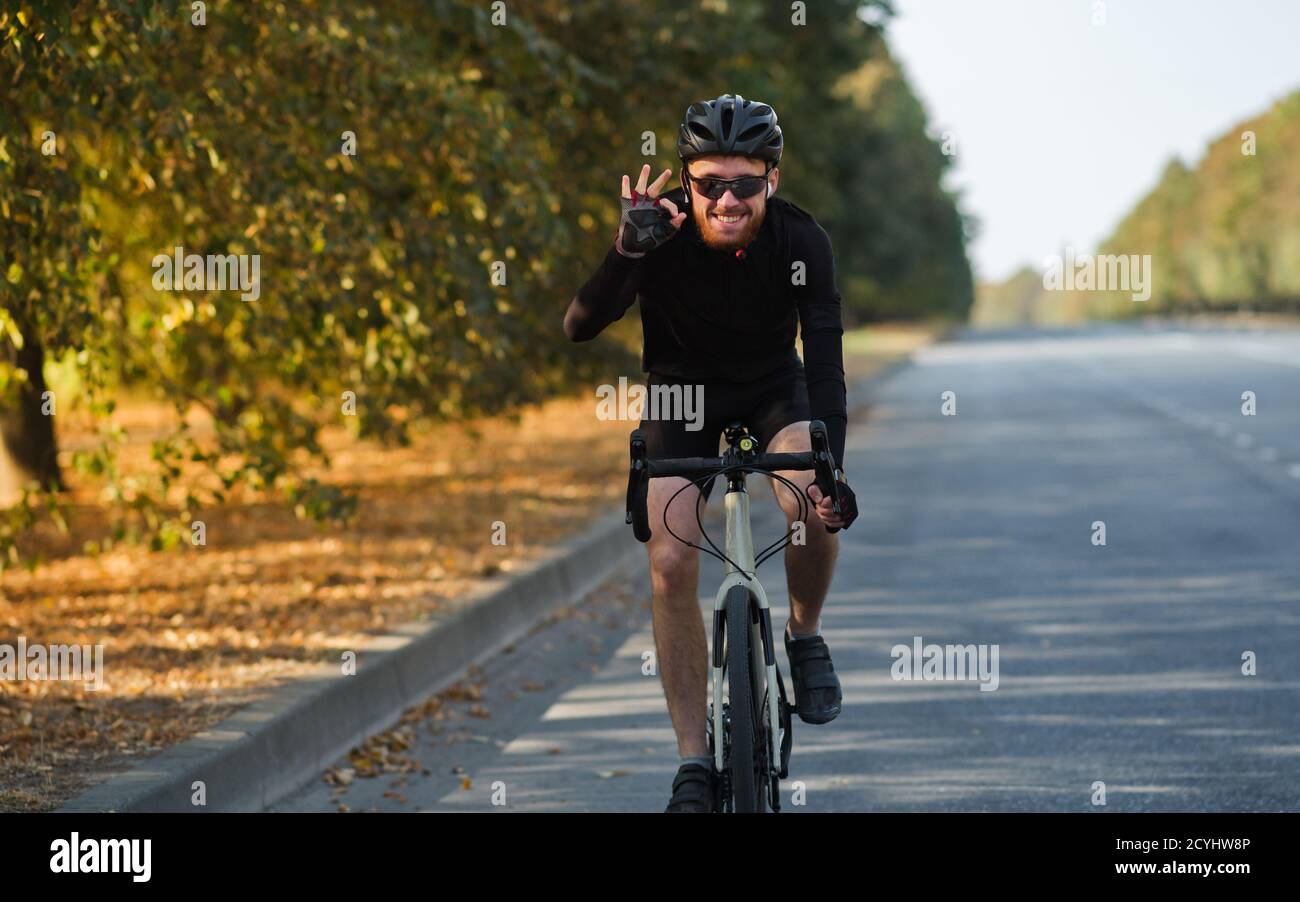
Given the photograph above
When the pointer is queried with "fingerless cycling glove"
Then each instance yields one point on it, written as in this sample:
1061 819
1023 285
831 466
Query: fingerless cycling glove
848 506
644 225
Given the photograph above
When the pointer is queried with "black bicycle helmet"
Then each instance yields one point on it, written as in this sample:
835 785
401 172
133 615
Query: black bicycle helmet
730 124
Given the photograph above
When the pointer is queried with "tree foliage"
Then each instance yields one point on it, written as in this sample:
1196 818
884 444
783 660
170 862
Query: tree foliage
478 142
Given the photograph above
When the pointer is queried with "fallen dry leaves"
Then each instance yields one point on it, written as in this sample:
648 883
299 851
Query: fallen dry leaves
193 634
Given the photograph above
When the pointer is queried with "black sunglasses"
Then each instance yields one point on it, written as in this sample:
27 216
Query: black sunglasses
745 186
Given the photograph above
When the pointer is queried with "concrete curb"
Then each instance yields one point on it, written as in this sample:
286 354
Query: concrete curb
271 747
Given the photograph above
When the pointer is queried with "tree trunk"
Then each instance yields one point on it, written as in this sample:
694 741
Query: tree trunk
28 450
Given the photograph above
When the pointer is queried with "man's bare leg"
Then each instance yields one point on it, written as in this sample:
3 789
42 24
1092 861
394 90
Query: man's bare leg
808 567
681 648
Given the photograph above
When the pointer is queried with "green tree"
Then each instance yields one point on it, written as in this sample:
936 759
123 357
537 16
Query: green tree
488 142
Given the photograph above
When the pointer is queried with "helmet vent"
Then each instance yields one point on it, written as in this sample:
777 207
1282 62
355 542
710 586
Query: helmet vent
701 131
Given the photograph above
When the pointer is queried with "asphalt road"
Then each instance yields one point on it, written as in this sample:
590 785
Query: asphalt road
1118 664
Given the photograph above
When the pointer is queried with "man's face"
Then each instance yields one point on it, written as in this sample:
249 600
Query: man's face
728 222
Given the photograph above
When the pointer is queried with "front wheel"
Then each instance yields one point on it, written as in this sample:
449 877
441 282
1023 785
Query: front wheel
745 763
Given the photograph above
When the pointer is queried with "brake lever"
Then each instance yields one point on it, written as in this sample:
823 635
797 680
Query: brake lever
638 484
824 463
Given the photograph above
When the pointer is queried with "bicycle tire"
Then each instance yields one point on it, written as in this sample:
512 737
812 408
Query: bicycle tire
748 789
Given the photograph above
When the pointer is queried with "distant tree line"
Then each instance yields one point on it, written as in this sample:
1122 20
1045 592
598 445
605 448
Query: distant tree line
1222 236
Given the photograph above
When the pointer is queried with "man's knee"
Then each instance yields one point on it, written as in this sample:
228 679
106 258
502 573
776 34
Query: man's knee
794 439
791 439
789 498
674 567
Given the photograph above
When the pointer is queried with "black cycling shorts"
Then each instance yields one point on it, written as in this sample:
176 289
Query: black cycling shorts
765 406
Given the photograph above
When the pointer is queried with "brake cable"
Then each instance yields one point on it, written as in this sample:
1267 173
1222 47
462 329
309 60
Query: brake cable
713 549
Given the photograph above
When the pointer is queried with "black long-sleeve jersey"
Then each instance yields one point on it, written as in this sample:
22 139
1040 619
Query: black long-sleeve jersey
724 315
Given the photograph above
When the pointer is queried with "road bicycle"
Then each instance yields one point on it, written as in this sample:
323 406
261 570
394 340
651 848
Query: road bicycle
752 758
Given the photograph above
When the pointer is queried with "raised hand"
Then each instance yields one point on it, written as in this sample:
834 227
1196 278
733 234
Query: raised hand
648 220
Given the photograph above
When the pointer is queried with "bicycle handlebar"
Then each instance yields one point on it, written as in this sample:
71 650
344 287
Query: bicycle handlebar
643 469
697 467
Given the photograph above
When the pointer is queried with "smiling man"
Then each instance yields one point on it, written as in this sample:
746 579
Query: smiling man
726 274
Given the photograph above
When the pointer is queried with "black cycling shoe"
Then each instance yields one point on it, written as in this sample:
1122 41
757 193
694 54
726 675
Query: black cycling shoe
693 790
816 687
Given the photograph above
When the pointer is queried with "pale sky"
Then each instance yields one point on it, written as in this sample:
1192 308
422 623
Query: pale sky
1062 125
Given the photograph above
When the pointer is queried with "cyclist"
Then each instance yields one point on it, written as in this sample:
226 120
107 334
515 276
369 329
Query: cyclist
725 272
